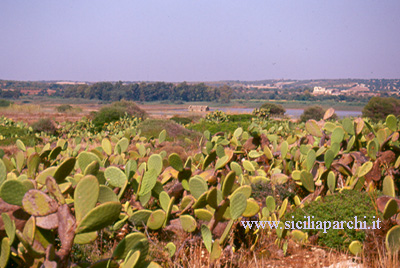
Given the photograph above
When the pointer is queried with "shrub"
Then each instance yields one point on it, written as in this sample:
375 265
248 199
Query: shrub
342 206
378 108
241 117
5 103
217 117
181 120
274 109
315 112
44 125
63 108
115 111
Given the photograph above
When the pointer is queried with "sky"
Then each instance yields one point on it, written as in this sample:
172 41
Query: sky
199 40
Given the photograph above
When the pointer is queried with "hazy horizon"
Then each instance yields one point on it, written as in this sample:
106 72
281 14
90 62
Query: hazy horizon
179 40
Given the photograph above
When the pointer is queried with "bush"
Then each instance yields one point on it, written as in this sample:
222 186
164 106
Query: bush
44 125
274 109
217 117
342 206
115 111
181 120
5 103
315 112
378 108
63 108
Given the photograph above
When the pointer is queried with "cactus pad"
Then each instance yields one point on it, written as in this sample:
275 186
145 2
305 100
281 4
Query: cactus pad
188 223
12 192
38 203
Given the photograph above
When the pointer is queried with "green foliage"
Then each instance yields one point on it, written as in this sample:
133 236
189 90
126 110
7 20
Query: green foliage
378 108
315 112
5 103
181 120
44 125
217 117
274 109
64 108
342 206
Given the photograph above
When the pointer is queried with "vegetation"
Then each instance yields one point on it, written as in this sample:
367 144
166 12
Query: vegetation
5 103
44 125
122 196
217 117
315 112
274 109
64 108
379 108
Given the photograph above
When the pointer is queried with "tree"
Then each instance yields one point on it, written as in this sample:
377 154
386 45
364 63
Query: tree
379 108
315 112
274 109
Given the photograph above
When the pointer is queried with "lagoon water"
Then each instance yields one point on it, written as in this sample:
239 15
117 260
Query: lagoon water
293 113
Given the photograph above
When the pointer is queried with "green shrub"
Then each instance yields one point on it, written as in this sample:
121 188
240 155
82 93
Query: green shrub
217 127
315 112
241 117
44 125
64 108
217 117
181 120
342 206
274 109
378 108
5 103
115 111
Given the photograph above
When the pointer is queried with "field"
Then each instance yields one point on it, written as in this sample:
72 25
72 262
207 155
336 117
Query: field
172 189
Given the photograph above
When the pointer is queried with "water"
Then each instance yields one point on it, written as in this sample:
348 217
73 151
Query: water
293 113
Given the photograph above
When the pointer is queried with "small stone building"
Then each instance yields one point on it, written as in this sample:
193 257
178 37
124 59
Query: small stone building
198 108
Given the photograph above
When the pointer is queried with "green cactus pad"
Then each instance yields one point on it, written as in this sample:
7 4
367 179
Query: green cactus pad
155 162
54 190
348 126
33 164
92 169
169 210
331 181
162 136
140 217
252 208
392 240
64 169
284 149
372 149
171 248
85 238
203 214
201 202
197 186
391 122
106 145
209 159
365 168
391 209
270 202
337 135
131 260
9 226
99 217
212 198
283 208
247 165
85 196
121 146
228 183
85 159
355 247
13 191
188 223
5 251
55 152
313 128
221 162
148 182
131 243
186 201
388 187
329 157
299 236
156 219
307 181
164 200
216 251
41 178
115 177
236 167
310 161
207 237
245 190
238 205
38 203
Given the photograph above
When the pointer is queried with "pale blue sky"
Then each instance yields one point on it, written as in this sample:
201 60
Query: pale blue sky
199 40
